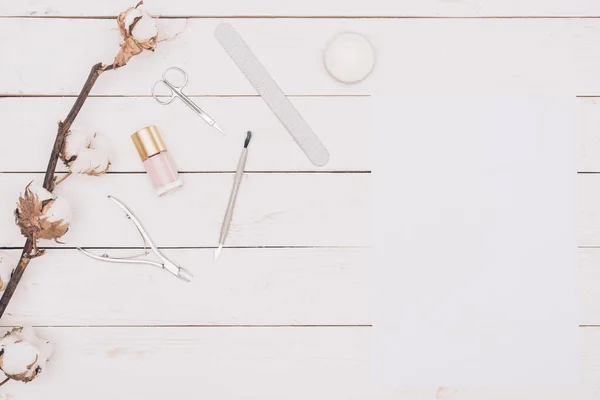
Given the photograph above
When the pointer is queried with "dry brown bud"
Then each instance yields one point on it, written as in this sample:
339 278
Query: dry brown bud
139 33
41 215
23 355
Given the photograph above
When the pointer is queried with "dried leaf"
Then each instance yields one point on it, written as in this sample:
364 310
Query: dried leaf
129 48
145 37
121 21
32 219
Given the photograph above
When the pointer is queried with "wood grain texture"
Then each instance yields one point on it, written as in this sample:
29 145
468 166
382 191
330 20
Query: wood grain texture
325 286
248 363
435 8
342 123
271 210
413 56
245 287
121 355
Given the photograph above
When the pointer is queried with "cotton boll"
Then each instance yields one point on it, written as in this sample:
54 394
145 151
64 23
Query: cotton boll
60 210
145 29
74 143
139 33
91 162
23 355
40 192
16 358
94 158
139 24
130 15
40 215
101 142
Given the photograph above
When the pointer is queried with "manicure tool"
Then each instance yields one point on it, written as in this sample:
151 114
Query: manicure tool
164 262
264 84
177 91
234 191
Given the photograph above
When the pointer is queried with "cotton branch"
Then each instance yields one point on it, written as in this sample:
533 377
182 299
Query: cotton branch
33 214
49 179
139 32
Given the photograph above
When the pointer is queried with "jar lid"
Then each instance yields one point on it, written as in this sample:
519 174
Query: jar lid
349 57
148 142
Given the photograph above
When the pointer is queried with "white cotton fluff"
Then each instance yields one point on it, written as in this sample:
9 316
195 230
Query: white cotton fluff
60 208
90 162
93 158
145 29
75 142
23 355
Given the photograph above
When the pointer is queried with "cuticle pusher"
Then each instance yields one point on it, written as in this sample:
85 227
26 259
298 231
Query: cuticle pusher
232 197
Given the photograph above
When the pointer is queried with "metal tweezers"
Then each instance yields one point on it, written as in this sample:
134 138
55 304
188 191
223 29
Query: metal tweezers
164 262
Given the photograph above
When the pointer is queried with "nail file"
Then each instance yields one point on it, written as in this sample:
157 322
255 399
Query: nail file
264 84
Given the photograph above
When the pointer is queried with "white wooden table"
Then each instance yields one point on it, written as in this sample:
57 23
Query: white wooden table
284 314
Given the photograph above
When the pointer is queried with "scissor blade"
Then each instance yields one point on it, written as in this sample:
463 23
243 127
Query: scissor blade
218 251
217 128
185 275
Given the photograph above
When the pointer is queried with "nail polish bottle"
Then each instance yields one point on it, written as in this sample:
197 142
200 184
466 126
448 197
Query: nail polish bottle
157 160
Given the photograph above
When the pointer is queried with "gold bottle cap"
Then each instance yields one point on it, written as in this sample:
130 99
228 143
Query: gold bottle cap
148 142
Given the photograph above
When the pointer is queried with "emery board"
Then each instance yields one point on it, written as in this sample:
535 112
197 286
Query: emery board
264 84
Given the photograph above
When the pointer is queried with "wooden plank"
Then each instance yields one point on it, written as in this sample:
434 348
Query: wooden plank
245 287
342 123
437 8
299 210
589 139
234 363
414 55
271 210
589 213
589 273
344 128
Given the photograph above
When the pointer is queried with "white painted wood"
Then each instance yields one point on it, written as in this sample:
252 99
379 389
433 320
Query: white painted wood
589 214
245 287
251 363
291 286
589 275
344 127
589 139
342 123
413 55
42 8
271 210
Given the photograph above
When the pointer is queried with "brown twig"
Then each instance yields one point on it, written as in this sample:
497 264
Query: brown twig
49 180
57 181
4 381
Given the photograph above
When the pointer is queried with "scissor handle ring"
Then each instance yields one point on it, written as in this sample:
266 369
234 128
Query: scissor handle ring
157 98
185 77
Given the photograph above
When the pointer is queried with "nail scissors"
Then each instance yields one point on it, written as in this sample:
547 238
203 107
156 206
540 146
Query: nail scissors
164 262
177 91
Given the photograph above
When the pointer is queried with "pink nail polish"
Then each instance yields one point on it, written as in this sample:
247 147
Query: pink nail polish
157 160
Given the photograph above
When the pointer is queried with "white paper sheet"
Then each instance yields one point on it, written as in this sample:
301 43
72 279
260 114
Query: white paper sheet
475 241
